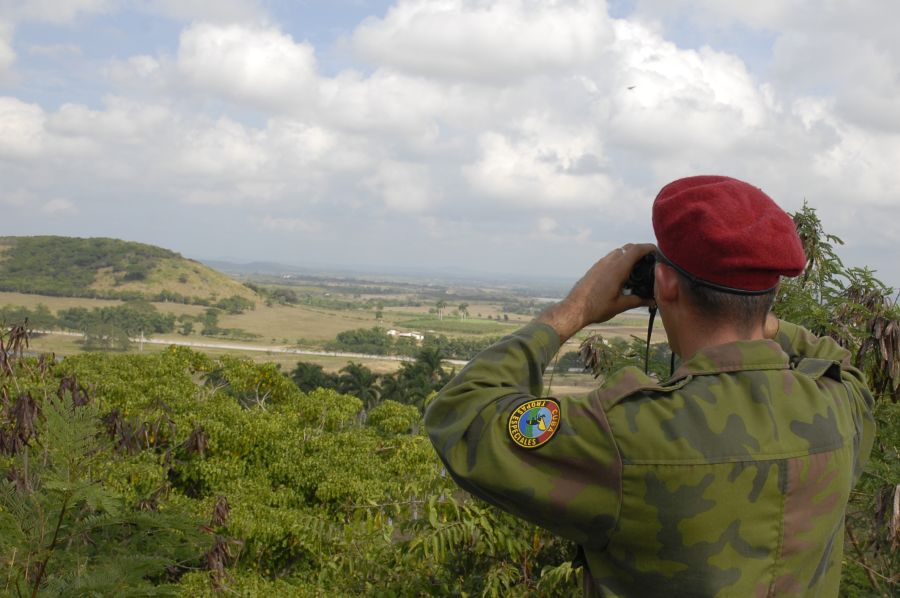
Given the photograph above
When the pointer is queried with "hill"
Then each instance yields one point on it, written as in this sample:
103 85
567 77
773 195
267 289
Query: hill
109 269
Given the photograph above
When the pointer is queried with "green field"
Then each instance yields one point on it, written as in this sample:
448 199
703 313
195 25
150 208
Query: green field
451 325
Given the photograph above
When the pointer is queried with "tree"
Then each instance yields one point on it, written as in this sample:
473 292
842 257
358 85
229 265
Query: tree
441 304
310 376
103 336
463 310
359 381
210 322
64 529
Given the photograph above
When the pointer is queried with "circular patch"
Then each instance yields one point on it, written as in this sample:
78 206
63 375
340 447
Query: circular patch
533 423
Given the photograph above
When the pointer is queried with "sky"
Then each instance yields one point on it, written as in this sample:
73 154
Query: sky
500 137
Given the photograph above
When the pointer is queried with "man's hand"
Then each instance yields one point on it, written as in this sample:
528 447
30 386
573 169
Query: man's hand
597 297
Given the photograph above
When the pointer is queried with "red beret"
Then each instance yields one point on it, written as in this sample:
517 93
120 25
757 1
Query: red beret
726 232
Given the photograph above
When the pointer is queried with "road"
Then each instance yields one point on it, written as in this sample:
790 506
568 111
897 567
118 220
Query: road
255 348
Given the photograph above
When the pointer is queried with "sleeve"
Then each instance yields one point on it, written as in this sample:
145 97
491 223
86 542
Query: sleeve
796 340
571 484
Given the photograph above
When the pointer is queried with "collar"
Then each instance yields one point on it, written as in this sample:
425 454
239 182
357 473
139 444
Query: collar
734 357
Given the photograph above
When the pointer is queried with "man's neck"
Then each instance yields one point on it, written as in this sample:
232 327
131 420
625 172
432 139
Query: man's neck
695 338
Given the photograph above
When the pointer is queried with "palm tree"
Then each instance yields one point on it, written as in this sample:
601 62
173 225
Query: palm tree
429 360
463 310
359 381
310 376
441 304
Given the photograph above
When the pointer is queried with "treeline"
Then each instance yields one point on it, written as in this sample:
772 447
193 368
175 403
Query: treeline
412 384
376 341
112 327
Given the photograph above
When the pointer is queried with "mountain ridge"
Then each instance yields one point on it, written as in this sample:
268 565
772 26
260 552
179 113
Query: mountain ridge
107 268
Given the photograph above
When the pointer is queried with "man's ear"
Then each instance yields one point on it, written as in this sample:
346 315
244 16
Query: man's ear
667 283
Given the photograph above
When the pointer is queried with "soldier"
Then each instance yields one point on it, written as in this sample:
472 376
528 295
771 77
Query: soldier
728 479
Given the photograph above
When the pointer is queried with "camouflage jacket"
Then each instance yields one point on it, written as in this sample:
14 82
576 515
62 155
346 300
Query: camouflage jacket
729 479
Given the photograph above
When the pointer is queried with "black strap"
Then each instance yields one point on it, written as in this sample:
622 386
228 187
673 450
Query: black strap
649 332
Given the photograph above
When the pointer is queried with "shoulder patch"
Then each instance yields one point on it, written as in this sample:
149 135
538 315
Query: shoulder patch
534 423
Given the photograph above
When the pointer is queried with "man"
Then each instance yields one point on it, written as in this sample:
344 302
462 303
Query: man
728 479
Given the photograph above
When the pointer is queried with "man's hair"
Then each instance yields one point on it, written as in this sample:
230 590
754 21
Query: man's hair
742 311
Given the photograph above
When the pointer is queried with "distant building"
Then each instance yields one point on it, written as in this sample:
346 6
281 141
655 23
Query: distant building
417 336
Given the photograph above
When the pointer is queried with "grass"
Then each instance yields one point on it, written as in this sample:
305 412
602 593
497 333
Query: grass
286 322
70 345
455 325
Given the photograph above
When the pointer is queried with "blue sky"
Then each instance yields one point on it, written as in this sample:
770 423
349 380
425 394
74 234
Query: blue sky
519 137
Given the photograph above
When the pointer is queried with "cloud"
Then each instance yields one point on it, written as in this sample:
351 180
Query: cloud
538 171
55 11
58 207
290 225
261 66
217 11
492 42
511 124
7 54
403 187
21 129
55 50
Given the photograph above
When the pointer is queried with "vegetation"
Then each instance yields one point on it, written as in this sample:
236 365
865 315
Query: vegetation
376 341
413 384
176 473
109 269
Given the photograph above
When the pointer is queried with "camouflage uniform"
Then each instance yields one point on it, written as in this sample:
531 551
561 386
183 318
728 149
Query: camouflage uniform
729 479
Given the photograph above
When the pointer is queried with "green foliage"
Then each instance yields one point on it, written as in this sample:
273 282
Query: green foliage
603 356
40 318
131 318
65 266
64 530
417 380
235 304
391 418
310 376
458 348
371 341
73 267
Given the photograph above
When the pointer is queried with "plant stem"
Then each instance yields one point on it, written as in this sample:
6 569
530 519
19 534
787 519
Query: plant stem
862 559
43 566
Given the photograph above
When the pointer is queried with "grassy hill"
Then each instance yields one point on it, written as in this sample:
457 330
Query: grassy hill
109 269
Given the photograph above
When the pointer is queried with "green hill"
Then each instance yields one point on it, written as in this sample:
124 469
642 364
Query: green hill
109 269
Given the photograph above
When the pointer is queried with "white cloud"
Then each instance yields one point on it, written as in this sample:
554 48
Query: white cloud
461 125
54 11
541 166
58 206
290 225
492 42
402 187
218 11
21 129
7 54
55 50
258 65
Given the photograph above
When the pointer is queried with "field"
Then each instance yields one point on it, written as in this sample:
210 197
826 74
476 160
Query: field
327 307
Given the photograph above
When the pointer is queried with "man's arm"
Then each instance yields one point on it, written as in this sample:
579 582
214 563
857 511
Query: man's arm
552 462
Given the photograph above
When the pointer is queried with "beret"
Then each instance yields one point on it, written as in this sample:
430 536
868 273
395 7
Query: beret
726 233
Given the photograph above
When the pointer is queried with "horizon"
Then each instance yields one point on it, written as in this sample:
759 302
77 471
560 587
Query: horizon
499 139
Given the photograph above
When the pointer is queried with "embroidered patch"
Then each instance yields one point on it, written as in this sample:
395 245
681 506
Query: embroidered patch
533 423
